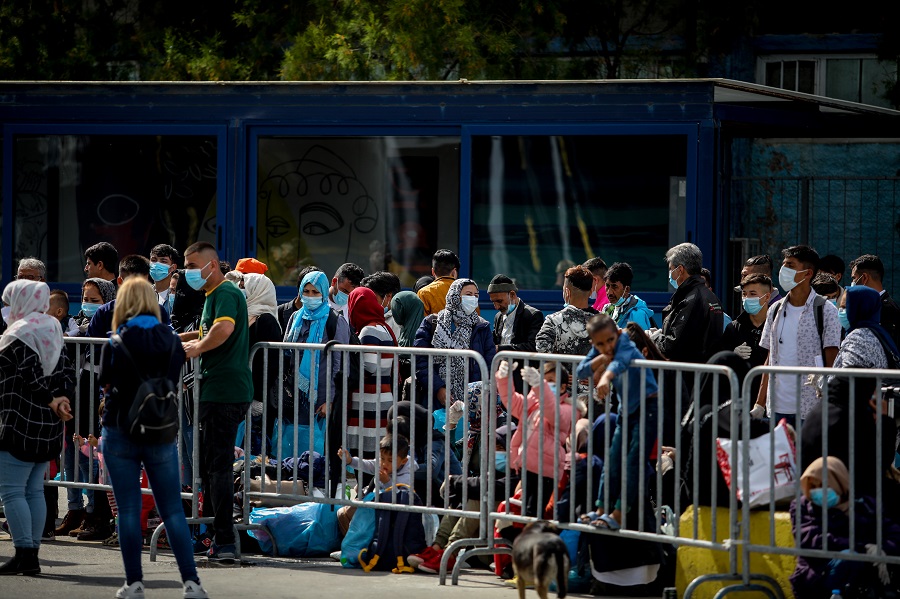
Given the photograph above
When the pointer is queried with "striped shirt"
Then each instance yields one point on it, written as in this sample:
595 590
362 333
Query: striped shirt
367 416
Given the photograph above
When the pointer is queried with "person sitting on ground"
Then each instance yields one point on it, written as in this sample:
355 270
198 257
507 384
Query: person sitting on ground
613 353
623 306
542 462
816 577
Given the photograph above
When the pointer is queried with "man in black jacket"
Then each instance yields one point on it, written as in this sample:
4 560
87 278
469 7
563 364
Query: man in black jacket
693 320
516 324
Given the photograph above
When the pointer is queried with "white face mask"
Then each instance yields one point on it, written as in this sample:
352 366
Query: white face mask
5 313
786 278
469 303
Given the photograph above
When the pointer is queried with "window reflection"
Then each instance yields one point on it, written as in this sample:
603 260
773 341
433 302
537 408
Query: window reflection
540 202
72 191
385 203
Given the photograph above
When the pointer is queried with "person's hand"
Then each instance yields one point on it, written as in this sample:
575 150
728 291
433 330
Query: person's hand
504 368
603 388
454 413
322 410
600 363
442 396
384 475
191 349
78 440
883 574
531 375
62 408
743 350
345 455
758 412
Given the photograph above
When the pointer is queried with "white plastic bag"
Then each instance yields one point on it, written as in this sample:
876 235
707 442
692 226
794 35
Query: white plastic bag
758 451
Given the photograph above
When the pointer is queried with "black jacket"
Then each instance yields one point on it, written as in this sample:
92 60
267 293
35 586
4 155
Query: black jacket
525 328
890 317
692 323
285 311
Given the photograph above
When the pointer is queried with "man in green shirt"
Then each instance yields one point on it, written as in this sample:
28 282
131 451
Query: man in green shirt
226 387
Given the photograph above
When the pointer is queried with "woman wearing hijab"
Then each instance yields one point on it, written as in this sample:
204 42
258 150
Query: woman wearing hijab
95 292
310 324
373 400
867 343
457 326
818 577
262 311
408 311
36 382
153 350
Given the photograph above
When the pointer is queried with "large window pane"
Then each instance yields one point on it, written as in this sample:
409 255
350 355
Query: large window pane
876 75
72 191
543 201
380 202
842 79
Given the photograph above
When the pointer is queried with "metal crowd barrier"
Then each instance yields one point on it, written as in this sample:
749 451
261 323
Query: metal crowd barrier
344 379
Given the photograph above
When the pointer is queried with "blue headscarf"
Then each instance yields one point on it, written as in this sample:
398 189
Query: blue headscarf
317 318
863 306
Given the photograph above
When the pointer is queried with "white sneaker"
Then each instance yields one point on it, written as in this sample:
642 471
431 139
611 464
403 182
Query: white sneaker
335 555
129 591
193 590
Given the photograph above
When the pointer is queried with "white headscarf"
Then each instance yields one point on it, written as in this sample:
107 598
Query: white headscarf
260 295
28 322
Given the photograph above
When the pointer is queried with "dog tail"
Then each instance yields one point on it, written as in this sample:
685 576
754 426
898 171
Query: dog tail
562 573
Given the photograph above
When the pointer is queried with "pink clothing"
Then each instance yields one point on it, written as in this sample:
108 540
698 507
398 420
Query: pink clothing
601 300
538 428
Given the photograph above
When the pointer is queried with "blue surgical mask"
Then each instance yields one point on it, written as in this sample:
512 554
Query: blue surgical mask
511 307
170 302
552 387
620 301
833 302
842 318
386 310
672 281
90 309
340 298
469 303
158 271
500 461
311 303
195 278
824 499
751 305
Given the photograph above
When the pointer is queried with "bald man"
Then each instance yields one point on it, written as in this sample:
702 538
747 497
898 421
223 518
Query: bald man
226 387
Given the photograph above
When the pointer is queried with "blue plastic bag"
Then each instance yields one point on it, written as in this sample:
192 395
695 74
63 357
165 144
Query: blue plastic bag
284 434
304 530
359 536
570 538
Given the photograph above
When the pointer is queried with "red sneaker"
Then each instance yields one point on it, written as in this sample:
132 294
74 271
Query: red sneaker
420 558
433 565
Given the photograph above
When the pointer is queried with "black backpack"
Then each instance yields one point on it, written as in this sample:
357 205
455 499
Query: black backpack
153 415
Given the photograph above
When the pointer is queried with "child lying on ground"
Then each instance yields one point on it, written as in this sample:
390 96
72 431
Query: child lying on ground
612 353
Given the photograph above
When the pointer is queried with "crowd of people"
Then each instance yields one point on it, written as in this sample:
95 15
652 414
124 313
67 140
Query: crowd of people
169 307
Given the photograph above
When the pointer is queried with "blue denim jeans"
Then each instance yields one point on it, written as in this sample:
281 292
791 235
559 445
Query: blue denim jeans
632 460
124 458
22 492
74 495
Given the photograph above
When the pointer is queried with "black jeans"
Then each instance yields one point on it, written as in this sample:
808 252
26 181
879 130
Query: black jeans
218 429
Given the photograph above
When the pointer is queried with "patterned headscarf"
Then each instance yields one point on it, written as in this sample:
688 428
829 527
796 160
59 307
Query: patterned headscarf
454 331
28 322
106 288
317 320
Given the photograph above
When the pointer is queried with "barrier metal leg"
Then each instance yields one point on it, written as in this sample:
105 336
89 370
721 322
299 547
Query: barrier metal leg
773 589
155 537
448 553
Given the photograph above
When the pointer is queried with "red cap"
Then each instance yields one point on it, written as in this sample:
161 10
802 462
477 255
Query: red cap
251 265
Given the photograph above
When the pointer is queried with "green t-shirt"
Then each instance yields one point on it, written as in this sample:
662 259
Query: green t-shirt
225 370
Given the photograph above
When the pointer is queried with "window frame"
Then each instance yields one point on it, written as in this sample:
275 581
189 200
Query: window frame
821 61
12 130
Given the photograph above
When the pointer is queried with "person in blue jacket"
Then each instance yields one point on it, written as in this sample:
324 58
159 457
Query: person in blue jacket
625 307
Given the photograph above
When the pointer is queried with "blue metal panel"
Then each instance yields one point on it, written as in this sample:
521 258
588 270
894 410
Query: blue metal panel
6 268
465 202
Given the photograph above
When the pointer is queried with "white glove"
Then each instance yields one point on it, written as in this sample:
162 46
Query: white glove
758 412
503 369
454 413
531 376
744 351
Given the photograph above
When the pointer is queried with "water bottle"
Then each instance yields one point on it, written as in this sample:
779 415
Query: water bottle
836 594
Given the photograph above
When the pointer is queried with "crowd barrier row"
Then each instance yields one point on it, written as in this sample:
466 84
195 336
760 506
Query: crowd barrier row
677 447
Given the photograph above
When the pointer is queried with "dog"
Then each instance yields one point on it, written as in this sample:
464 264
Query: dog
539 556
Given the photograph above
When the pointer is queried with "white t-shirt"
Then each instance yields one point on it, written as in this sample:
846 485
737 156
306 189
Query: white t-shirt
163 296
787 336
